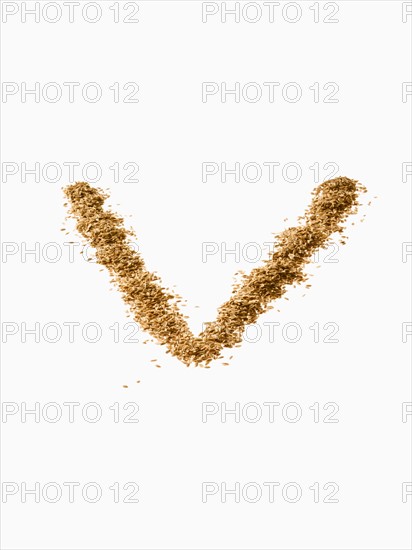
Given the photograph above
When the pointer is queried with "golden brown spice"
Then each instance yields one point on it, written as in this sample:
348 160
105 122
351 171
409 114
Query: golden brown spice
156 308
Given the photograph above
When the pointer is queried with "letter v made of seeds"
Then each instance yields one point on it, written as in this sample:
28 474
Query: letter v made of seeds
155 308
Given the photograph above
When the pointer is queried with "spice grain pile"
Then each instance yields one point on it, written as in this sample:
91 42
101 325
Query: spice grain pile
155 308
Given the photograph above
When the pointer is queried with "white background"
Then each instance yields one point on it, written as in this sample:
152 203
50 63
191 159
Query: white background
169 133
